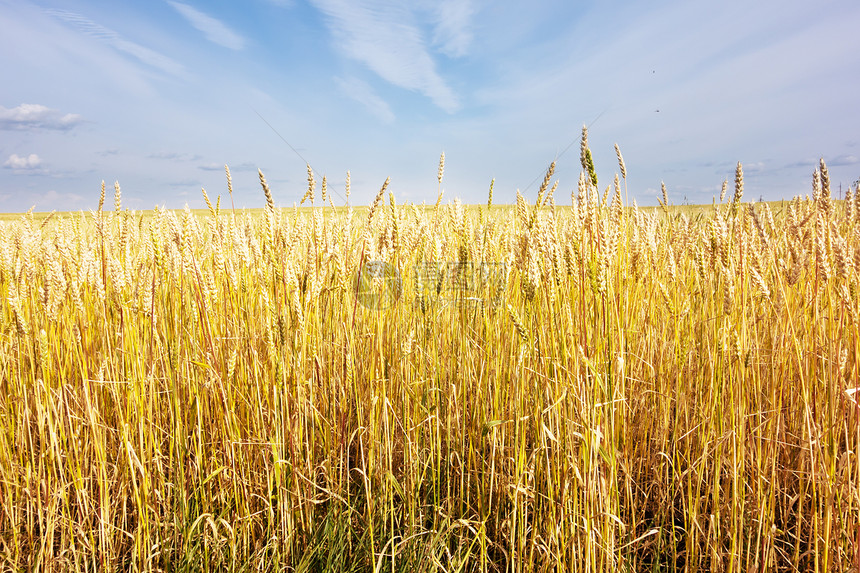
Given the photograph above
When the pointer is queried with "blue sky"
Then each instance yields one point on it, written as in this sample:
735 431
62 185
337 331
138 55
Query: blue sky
159 95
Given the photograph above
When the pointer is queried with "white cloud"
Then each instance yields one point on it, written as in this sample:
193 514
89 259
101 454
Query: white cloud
841 160
214 30
174 156
212 166
246 166
754 167
53 196
361 92
383 36
453 32
53 200
99 32
31 161
812 163
34 116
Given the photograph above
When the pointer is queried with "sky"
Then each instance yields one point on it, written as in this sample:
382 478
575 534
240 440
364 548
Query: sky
160 95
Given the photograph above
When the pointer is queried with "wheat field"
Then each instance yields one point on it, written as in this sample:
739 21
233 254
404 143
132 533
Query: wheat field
550 386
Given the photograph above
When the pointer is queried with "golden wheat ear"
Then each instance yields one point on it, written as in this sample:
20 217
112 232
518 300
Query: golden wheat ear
117 197
739 183
270 203
621 162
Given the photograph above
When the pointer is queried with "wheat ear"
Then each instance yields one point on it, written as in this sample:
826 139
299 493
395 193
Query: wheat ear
270 203
739 182
621 162
117 196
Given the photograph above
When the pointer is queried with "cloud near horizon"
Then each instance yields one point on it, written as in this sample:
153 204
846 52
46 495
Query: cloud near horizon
35 116
246 166
15 161
174 156
838 161
55 201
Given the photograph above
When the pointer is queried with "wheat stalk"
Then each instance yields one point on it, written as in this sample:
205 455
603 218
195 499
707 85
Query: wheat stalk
583 149
311 192
739 183
208 203
229 186
620 162
117 197
664 203
270 203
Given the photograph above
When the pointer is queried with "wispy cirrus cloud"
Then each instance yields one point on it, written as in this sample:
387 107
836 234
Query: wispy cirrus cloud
215 31
384 36
23 163
453 26
141 53
361 92
35 116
